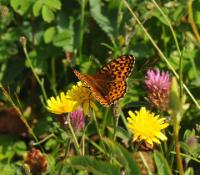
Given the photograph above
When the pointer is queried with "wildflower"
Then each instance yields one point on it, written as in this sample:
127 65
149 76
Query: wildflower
77 96
36 162
146 126
61 104
77 119
82 96
158 86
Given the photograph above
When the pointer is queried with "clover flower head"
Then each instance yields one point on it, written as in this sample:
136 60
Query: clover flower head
77 119
36 161
158 87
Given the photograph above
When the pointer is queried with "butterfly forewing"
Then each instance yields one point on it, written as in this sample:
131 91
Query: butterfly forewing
109 83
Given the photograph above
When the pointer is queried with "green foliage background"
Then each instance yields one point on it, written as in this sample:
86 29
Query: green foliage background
85 34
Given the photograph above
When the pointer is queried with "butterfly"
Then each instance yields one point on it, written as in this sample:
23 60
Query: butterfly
109 83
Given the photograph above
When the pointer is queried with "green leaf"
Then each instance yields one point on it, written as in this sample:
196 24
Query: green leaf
53 4
161 164
189 171
121 133
37 7
50 144
91 165
47 14
20 6
49 34
64 39
101 19
123 156
20 148
7 169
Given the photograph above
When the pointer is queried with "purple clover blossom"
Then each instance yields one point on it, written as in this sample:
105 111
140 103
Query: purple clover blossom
158 87
77 119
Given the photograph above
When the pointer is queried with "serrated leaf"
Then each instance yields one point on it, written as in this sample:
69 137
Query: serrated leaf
101 19
161 164
53 4
123 156
37 7
91 165
49 34
47 14
20 147
20 6
64 39
50 144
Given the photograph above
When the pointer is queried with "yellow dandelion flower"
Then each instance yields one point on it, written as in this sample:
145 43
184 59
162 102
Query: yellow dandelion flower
146 126
83 96
61 104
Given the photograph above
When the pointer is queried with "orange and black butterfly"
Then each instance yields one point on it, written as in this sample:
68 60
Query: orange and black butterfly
109 83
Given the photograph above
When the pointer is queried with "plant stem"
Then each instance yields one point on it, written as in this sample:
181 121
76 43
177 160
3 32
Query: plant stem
66 151
145 163
177 145
76 144
170 26
53 76
99 133
124 121
177 46
191 21
22 118
40 82
116 113
160 52
83 4
115 127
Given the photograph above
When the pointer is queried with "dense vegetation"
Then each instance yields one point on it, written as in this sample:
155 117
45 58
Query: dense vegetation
43 41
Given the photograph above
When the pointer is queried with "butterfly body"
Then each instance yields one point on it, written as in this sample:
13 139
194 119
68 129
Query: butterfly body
109 83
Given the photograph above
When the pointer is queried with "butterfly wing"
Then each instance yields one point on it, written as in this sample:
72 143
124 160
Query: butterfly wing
96 89
109 83
112 78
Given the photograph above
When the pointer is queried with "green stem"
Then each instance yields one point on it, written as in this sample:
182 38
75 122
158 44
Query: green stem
119 18
95 145
22 118
66 151
170 26
177 46
97 127
40 82
115 127
104 122
53 76
176 127
124 121
76 144
83 4
160 52
181 76
83 137
191 21
145 163
116 115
